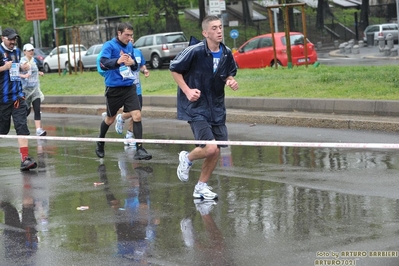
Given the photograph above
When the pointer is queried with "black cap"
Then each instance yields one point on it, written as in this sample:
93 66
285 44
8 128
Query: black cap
9 33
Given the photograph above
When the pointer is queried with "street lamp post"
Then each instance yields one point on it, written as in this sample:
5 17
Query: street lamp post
397 13
55 10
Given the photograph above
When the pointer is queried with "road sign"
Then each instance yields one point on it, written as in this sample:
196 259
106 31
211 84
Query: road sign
234 34
214 7
35 10
222 5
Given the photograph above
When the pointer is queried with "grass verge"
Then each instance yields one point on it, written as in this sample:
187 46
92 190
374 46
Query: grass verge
344 82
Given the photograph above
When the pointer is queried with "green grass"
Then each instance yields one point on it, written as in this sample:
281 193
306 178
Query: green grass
351 82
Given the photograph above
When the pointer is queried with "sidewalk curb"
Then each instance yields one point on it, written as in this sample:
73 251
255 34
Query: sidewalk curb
336 53
318 113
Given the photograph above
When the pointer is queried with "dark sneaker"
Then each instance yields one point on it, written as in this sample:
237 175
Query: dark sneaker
100 149
27 164
142 154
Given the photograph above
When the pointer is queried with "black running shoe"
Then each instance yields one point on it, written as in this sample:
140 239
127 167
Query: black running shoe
142 154
27 164
100 149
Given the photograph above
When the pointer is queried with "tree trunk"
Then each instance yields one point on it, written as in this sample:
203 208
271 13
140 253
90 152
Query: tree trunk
246 14
320 15
201 4
364 14
172 15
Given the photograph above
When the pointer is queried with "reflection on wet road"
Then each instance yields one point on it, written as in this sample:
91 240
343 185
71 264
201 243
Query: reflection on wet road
277 205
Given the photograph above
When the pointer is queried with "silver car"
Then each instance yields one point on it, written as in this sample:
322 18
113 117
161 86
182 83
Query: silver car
382 30
159 49
89 59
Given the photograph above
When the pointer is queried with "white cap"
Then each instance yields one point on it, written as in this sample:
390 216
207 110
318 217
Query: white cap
28 47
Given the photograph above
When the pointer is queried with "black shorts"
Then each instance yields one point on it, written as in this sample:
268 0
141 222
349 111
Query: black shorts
202 130
116 97
18 113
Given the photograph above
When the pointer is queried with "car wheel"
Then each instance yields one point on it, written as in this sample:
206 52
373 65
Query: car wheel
66 65
80 65
156 61
278 64
46 68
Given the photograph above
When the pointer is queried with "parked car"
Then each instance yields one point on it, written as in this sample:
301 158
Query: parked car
39 54
88 60
258 51
159 49
51 61
382 30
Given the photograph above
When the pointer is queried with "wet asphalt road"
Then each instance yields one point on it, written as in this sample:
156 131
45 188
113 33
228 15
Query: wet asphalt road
277 205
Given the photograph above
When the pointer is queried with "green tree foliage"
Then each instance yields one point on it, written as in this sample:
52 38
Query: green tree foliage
147 16
12 14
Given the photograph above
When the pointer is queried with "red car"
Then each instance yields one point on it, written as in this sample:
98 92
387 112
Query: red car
258 51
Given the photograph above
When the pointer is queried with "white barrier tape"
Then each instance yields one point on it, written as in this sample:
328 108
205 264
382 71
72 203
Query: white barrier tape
231 143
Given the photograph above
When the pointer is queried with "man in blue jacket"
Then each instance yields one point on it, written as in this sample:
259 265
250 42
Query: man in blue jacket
118 61
201 72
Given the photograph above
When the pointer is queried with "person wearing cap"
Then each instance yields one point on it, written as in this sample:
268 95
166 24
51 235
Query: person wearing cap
12 100
31 86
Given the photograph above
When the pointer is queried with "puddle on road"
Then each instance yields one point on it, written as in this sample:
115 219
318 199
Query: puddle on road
277 204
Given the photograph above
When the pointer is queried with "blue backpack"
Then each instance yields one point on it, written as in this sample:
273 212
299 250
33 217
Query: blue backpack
99 69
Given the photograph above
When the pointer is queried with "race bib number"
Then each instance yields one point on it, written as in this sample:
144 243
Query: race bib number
14 72
126 72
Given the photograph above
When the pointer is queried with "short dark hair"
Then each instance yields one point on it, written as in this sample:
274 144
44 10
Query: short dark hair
208 19
124 26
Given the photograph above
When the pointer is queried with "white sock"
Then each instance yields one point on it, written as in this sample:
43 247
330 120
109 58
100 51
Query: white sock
187 160
129 134
200 185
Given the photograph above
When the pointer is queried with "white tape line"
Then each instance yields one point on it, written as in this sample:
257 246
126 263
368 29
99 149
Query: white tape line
231 143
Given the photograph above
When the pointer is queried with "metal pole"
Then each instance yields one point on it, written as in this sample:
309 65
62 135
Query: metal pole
40 34
100 40
36 42
54 25
397 13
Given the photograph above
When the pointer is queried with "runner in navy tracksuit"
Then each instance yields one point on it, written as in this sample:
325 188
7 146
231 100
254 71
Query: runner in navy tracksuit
202 71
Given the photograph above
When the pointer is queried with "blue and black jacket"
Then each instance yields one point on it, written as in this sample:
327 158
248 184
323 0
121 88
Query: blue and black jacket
110 54
10 91
195 63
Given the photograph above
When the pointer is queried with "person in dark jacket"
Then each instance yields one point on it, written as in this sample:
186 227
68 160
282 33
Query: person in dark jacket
118 61
12 98
201 72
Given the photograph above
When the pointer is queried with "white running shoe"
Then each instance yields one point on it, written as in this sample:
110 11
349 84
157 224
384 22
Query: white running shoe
204 206
41 132
129 143
104 115
184 167
119 124
204 192
186 227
